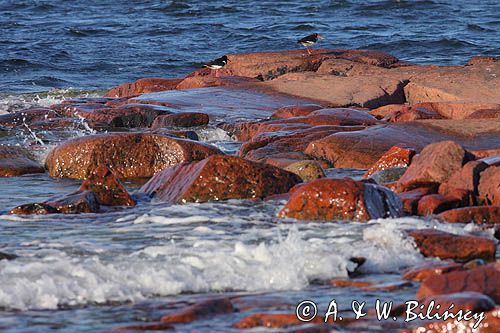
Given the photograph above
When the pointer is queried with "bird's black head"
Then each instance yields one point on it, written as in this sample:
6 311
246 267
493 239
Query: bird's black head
224 58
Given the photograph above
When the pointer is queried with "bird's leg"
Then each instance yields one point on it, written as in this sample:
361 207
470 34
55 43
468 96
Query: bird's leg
216 73
308 51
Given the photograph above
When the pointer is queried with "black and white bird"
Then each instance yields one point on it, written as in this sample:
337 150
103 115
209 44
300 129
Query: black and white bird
309 41
217 63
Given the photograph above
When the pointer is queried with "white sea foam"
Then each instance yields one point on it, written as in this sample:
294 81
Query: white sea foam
56 279
288 257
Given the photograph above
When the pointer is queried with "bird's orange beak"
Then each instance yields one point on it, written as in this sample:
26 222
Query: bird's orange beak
320 37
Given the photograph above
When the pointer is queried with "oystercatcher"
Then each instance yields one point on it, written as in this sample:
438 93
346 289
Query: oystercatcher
309 41
217 63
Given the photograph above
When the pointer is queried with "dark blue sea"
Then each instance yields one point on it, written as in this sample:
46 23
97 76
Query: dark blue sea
94 44
94 272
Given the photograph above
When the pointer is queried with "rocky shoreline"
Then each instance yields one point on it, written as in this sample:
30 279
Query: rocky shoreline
429 137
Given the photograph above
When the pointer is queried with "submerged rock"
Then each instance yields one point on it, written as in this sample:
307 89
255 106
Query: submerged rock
107 189
129 155
219 178
6 256
75 203
423 271
444 245
34 208
202 310
16 161
272 320
341 199
484 279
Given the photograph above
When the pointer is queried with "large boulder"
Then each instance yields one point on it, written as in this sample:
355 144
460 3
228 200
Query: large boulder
435 164
16 161
341 199
219 178
129 155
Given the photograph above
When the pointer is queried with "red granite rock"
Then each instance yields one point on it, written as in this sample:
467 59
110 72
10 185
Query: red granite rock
16 161
411 198
33 208
386 110
75 203
423 271
272 320
395 157
340 199
484 279
444 245
20 118
465 178
126 115
181 119
129 155
143 328
295 110
361 149
202 310
199 81
107 189
478 215
489 186
435 164
437 203
287 146
410 114
460 110
142 86
219 178
481 60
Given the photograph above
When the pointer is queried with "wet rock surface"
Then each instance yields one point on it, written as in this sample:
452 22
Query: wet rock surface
435 243
128 154
341 199
15 161
484 279
219 178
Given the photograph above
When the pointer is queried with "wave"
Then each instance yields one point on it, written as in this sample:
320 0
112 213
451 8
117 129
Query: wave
205 263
